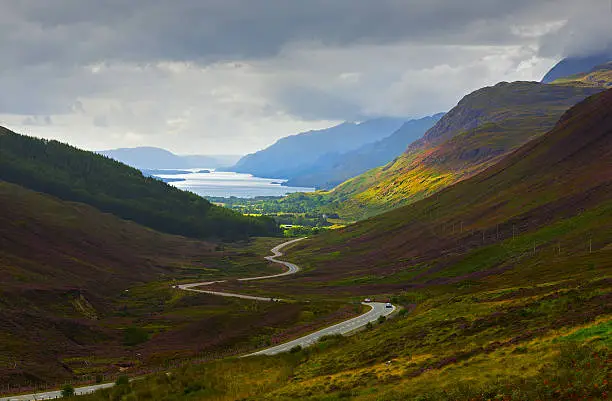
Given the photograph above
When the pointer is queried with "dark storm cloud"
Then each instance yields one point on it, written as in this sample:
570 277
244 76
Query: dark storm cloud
245 72
86 31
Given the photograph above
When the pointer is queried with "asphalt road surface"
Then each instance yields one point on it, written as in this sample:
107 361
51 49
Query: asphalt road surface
50 395
377 309
276 251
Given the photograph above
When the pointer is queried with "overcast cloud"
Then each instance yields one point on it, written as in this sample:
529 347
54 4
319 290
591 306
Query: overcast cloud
232 76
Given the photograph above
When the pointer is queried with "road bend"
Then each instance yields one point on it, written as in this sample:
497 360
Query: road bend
377 309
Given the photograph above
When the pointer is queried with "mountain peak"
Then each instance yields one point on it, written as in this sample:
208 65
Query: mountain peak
576 65
294 154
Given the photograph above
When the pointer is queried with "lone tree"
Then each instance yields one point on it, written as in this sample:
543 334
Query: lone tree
67 391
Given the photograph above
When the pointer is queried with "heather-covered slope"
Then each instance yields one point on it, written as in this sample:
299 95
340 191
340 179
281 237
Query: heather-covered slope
47 243
332 169
482 128
557 184
84 293
293 155
504 277
62 265
76 175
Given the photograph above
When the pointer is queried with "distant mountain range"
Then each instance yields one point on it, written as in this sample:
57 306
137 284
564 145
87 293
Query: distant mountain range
157 158
325 158
485 126
576 65
293 155
561 177
334 168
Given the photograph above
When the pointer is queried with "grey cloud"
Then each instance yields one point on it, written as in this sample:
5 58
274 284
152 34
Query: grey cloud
315 104
97 67
588 31
100 121
37 121
89 31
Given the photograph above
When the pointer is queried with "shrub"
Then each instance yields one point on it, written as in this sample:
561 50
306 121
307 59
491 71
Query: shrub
67 391
192 388
295 349
122 380
331 337
134 336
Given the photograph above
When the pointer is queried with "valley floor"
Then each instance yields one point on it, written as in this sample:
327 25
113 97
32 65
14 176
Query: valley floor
376 312
495 337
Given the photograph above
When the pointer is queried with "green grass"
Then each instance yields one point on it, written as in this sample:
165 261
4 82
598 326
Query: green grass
601 332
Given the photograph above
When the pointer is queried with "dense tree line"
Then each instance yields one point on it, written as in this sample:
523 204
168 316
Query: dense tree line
76 175
312 204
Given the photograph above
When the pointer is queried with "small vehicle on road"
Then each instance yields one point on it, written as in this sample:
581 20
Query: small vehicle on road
367 300
388 305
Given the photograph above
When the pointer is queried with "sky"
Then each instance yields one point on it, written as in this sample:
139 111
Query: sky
233 76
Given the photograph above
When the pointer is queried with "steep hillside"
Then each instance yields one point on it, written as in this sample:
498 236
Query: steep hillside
86 294
61 266
75 175
576 65
504 279
599 76
156 158
482 128
295 154
332 169
542 190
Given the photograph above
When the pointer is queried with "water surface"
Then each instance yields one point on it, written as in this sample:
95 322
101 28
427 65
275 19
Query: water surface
226 184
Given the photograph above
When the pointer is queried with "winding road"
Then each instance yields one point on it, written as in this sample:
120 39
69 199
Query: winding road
276 252
376 310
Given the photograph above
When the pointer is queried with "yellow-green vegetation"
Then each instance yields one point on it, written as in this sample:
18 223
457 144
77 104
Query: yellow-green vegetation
600 76
159 325
299 215
485 126
498 338
505 280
